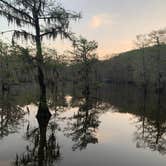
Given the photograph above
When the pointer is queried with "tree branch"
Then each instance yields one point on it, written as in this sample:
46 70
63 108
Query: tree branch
21 12
7 31
18 20
52 33
20 33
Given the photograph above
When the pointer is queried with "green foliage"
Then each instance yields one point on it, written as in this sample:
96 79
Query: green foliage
17 65
15 62
127 67
83 70
84 50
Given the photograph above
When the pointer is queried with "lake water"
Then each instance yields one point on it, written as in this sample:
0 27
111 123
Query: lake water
116 127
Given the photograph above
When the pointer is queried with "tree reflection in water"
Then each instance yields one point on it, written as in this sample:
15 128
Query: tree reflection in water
148 109
151 129
83 126
44 149
10 115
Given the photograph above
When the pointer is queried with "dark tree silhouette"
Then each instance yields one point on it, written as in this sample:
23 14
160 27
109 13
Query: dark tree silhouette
156 39
142 42
43 149
151 130
84 125
47 18
83 129
84 53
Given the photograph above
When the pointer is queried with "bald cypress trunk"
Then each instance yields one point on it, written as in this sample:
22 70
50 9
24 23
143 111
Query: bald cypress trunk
43 108
43 123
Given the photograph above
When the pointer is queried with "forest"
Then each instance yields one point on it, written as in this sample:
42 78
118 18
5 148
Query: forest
144 65
71 107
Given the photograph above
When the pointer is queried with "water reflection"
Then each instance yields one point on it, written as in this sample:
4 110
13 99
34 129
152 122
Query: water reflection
82 118
83 125
150 116
151 129
43 149
84 128
10 115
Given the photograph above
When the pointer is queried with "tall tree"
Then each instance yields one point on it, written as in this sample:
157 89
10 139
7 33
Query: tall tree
142 41
84 52
157 38
46 17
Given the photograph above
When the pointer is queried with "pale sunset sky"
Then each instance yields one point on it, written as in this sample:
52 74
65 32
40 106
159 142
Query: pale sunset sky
114 24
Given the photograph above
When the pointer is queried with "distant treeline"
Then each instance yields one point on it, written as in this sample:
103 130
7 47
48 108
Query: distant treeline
17 65
128 67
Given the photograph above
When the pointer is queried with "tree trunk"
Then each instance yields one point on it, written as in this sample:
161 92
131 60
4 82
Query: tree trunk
43 123
43 108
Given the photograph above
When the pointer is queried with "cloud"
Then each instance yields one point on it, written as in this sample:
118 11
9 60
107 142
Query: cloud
100 20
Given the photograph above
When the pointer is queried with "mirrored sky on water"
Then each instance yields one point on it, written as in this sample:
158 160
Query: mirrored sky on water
114 24
116 145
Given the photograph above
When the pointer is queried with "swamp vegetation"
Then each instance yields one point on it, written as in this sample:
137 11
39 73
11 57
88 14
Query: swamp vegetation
56 110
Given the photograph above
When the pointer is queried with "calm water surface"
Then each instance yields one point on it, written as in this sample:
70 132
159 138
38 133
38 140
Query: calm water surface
122 129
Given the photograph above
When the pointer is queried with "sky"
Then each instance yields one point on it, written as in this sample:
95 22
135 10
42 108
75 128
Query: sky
114 24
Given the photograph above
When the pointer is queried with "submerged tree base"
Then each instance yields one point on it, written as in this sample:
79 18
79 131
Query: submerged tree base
43 111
